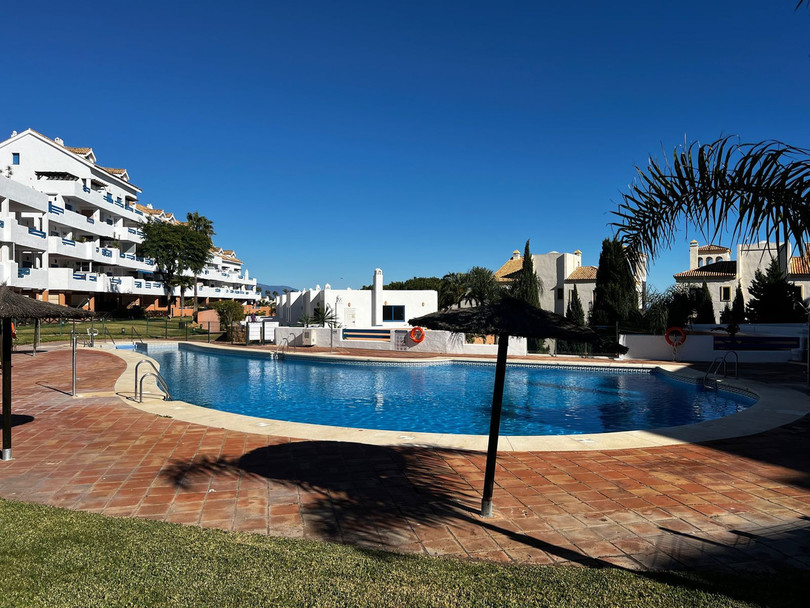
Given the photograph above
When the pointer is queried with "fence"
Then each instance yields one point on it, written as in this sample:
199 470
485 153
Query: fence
111 330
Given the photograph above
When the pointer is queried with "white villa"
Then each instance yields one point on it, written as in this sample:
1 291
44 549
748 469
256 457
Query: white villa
712 264
70 232
560 273
363 308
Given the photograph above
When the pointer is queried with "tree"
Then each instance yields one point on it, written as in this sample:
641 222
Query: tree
773 299
738 307
615 295
451 290
175 249
704 306
202 225
229 312
575 313
324 316
750 191
481 287
527 286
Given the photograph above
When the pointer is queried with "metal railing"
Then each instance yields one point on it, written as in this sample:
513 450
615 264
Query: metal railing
710 378
160 380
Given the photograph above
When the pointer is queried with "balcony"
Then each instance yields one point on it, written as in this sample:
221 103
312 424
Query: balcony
116 205
67 279
28 278
70 248
22 235
66 217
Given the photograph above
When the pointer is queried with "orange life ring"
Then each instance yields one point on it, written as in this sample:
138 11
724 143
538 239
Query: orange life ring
417 334
675 330
13 332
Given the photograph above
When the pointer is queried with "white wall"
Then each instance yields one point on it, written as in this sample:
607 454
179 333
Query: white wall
435 342
696 348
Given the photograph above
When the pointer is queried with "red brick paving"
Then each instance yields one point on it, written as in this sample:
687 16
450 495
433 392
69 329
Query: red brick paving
735 504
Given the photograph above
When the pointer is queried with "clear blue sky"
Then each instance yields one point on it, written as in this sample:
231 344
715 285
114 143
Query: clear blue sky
326 138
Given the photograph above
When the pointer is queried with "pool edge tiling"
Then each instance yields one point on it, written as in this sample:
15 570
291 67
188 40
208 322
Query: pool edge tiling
776 406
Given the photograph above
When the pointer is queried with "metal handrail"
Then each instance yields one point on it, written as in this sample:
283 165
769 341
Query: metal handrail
714 368
134 332
107 333
161 382
291 341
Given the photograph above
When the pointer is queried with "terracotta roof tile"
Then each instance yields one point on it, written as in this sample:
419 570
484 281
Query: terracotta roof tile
713 249
503 274
583 273
81 151
800 265
114 171
718 270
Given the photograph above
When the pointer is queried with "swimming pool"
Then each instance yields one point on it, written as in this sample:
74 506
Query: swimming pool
438 397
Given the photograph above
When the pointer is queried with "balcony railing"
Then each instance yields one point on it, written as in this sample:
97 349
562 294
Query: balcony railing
36 232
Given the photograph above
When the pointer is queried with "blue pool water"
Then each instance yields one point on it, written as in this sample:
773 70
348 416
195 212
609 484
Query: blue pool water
443 398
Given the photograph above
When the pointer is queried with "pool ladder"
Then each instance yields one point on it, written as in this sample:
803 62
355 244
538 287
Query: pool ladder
160 380
711 378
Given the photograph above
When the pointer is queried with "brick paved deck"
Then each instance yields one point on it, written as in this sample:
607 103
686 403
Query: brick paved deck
736 504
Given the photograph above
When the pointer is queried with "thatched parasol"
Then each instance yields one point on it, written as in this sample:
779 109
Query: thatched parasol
16 306
504 318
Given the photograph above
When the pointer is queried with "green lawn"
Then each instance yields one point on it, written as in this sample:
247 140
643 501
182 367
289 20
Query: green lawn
53 557
123 331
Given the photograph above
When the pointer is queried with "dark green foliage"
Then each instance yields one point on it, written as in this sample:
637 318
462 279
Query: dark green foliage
230 312
324 316
773 299
175 249
656 315
615 294
417 283
738 307
725 314
526 285
751 191
481 286
704 306
202 225
575 313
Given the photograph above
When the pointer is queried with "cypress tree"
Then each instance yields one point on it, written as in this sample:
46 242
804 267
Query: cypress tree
773 299
575 313
615 295
704 306
527 286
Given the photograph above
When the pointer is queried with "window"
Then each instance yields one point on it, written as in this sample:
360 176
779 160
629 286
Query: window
560 293
393 313
15 158
725 294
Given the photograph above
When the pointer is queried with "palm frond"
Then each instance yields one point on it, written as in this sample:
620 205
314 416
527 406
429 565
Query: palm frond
748 190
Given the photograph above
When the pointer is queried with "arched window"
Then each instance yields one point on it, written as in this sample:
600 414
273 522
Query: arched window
700 262
709 260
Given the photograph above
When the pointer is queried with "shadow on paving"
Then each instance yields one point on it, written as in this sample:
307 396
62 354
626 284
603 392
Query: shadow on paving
370 495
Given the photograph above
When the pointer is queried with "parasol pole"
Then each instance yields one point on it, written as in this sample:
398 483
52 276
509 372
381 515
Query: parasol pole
7 345
494 426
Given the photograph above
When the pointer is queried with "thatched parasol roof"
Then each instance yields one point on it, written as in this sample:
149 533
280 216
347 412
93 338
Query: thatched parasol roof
508 316
17 306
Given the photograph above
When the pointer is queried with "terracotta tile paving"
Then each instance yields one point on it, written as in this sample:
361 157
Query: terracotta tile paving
734 504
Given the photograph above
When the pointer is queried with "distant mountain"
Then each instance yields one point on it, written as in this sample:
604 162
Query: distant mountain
272 288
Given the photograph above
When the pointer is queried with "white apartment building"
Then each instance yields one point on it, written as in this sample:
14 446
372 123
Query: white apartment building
70 233
362 308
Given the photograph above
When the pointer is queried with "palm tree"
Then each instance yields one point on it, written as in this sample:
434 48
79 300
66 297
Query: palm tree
199 223
482 287
748 191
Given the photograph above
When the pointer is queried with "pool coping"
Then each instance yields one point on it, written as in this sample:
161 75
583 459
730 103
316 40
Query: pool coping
776 406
